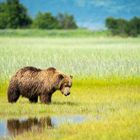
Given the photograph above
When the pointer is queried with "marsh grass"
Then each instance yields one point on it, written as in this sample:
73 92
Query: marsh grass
114 112
106 84
99 58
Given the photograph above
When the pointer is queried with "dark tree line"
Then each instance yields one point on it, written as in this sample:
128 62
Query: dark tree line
124 27
14 15
47 21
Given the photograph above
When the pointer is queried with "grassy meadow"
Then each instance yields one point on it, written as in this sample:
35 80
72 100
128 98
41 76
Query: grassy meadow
106 82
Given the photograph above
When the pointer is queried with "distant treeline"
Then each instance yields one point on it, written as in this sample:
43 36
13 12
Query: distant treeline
14 15
124 27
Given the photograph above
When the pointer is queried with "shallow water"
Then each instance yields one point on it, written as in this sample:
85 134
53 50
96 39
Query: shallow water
13 127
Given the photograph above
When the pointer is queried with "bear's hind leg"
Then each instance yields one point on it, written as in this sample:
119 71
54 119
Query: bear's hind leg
13 92
33 99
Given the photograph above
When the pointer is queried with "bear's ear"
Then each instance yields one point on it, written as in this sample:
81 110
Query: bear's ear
71 76
60 77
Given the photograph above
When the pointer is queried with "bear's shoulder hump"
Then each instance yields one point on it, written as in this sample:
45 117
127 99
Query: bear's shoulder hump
30 68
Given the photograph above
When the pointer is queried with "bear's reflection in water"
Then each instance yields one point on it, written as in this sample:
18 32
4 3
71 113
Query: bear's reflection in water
18 126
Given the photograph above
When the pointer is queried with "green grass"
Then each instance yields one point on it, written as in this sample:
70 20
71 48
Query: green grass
106 83
52 33
118 108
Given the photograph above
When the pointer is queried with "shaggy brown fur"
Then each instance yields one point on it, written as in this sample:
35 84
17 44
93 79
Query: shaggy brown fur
31 82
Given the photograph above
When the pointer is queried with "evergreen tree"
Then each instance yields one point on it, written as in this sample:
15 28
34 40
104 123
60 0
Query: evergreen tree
13 15
134 26
66 21
124 27
45 21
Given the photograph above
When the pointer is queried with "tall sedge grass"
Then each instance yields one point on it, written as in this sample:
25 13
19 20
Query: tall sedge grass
86 57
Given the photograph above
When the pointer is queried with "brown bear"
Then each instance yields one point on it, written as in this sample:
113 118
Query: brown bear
31 82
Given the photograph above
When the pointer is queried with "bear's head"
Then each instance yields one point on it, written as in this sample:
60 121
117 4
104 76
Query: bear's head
61 81
65 83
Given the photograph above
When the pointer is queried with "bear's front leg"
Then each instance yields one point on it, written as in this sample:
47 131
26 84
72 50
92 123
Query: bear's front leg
45 98
33 99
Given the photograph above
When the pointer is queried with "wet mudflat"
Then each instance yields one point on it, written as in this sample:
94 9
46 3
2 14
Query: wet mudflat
13 127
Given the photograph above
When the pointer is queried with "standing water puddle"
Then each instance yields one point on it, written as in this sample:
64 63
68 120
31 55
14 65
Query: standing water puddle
13 127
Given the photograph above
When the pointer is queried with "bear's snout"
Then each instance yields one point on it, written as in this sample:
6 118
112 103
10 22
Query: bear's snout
67 94
65 91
